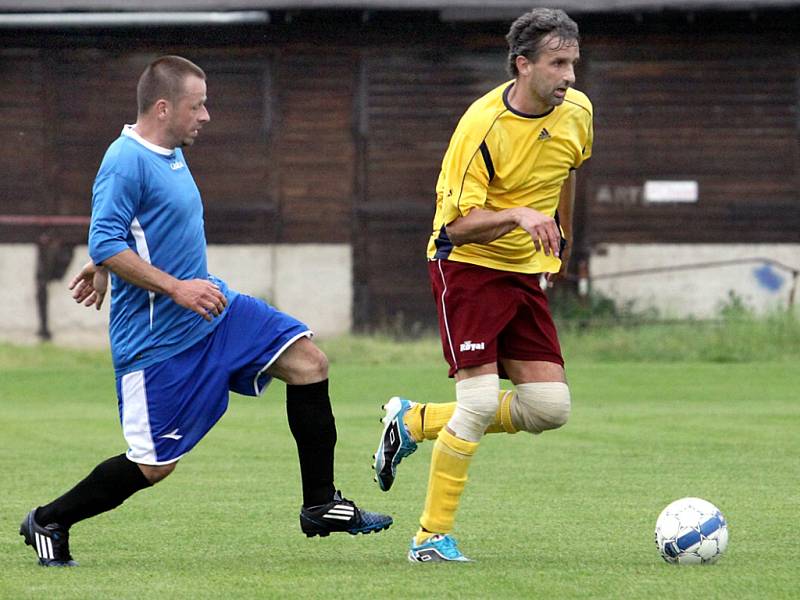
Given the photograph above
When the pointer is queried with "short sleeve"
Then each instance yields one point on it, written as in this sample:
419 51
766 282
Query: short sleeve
464 179
115 201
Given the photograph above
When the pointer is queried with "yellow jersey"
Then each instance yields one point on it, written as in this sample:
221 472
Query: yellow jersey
500 158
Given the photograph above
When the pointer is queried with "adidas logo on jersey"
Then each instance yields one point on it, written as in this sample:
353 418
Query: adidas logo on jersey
544 135
340 512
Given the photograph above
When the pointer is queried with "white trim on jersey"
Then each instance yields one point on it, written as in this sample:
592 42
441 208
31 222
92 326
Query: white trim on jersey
136 419
144 252
307 333
129 131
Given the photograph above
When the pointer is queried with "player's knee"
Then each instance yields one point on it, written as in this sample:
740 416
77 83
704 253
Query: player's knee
302 364
541 406
476 405
156 473
316 365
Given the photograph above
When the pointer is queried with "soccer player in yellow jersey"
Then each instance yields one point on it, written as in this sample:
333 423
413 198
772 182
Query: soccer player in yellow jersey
503 219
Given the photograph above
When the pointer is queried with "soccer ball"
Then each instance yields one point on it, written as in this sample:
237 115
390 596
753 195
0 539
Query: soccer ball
691 531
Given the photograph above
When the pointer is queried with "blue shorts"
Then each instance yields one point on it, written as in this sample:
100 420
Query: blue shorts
167 408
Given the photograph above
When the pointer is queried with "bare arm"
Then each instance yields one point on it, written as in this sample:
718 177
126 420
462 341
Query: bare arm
483 226
566 203
198 295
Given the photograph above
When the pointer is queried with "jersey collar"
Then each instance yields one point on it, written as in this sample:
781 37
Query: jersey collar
129 131
519 113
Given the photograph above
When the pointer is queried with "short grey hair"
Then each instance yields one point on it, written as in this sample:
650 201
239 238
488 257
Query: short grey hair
528 31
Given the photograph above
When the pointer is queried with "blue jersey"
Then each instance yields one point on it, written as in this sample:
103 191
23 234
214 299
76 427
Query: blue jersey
145 199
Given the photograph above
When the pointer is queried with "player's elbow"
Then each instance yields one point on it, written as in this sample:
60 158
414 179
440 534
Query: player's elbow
456 234
454 239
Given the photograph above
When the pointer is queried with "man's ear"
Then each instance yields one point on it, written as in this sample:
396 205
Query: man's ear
523 65
162 108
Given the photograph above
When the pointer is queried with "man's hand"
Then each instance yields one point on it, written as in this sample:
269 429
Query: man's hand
548 280
89 286
200 296
542 229
562 272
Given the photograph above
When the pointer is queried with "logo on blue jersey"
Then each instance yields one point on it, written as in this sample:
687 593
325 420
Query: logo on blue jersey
175 165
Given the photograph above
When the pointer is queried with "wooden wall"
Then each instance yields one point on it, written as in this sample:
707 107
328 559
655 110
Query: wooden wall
320 136
412 100
721 111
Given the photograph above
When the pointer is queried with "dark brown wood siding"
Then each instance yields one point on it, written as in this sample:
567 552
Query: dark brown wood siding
335 134
233 161
413 100
722 112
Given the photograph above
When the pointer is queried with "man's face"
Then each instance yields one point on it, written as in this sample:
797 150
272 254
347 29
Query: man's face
188 113
547 78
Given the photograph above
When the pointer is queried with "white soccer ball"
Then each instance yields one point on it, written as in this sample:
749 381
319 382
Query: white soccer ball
691 531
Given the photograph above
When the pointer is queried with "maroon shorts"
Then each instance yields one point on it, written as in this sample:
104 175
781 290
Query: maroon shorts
486 315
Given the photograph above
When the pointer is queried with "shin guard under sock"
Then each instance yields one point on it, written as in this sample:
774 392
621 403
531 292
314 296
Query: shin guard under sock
308 408
110 483
448 475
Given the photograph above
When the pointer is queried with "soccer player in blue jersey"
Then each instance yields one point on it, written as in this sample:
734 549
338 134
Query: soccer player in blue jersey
180 337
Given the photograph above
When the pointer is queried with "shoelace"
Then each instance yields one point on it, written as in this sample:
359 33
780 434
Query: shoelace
337 497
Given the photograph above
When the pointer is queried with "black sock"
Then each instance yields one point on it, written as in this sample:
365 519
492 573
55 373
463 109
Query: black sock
311 421
106 487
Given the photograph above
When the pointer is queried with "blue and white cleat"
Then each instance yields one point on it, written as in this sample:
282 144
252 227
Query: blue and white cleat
341 514
437 548
396 442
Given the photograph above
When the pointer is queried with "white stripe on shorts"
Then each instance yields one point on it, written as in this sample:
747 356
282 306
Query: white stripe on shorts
136 419
444 315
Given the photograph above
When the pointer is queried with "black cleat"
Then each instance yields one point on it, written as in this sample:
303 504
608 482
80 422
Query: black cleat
51 542
341 514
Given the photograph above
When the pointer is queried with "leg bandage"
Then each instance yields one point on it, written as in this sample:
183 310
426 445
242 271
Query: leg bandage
476 405
548 404
540 406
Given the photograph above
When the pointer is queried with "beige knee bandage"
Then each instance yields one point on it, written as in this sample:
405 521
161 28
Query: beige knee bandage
476 404
540 406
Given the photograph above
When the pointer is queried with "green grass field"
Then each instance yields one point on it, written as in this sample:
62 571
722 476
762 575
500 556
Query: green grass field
569 514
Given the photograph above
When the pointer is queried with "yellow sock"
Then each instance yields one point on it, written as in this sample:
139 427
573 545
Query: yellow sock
502 418
448 475
426 424
435 418
413 422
